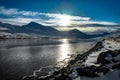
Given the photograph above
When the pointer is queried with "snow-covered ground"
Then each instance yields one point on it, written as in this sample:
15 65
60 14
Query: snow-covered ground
107 45
111 75
92 59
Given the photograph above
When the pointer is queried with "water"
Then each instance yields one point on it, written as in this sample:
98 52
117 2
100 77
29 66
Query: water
21 57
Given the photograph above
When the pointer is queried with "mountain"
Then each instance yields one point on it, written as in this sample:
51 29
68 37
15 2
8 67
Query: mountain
75 34
40 29
33 28
7 27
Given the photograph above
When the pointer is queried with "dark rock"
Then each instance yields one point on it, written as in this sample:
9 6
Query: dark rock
86 72
101 58
115 53
114 61
30 78
110 46
102 69
116 66
110 54
56 72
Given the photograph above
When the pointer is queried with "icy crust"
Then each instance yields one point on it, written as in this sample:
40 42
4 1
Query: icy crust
102 62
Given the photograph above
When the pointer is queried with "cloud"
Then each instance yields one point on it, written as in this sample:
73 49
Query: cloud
23 21
52 18
97 29
19 21
77 18
14 11
94 24
5 11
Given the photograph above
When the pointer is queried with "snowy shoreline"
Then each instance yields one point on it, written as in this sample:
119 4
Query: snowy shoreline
96 64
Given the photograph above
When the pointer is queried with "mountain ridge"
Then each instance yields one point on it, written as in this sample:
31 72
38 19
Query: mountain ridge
38 29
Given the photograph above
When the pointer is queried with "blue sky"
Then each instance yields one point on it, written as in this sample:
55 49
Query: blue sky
105 12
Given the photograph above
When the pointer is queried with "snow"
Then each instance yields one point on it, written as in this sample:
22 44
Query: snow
107 45
92 58
111 45
111 75
5 33
77 78
73 75
3 28
117 58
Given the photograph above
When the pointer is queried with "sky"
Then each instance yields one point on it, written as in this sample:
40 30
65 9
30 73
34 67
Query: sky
85 15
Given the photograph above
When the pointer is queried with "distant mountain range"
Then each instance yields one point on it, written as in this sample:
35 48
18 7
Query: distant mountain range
38 29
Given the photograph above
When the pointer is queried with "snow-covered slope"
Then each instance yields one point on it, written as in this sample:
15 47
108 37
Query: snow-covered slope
111 71
111 75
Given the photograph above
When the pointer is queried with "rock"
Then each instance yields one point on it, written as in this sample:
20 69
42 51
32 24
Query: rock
102 69
115 53
101 58
107 57
110 47
114 61
56 72
116 66
30 78
89 72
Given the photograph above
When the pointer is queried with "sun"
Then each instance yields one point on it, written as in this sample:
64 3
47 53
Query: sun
64 20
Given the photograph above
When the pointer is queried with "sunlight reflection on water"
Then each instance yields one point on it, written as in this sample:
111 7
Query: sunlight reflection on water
64 49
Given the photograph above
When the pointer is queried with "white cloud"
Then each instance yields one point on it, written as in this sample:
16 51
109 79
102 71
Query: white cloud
93 22
5 11
23 21
53 15
97 29
14 11
90 29
19 21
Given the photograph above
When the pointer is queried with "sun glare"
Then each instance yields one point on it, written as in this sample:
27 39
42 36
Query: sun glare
64 50
64 20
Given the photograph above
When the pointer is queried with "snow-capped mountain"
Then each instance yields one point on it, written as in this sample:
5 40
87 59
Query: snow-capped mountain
34 29
74 33
38 29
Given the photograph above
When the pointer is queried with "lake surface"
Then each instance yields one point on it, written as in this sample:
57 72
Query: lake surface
20 57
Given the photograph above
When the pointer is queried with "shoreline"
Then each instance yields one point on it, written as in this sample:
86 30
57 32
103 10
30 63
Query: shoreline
76 65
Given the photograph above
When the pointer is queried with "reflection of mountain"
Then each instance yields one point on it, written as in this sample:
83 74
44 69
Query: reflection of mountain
38 29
